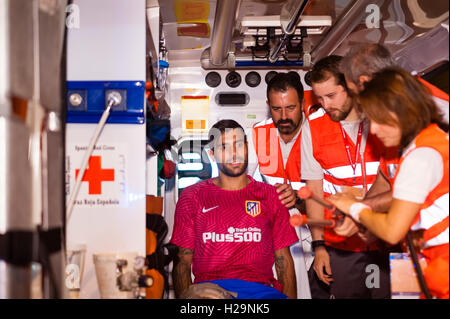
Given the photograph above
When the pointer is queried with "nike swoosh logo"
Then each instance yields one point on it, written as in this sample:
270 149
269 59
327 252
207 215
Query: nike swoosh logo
207 210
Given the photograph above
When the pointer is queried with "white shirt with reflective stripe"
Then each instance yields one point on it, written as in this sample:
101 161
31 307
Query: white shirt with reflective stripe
421 171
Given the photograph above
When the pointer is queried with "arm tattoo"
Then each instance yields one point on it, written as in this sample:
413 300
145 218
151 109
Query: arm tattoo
284 266
182 270
280 266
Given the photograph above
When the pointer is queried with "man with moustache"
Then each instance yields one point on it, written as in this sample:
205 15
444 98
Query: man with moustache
275 150
232 229
275 143
340 155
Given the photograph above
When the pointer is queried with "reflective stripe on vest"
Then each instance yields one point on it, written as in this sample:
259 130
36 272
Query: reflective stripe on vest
434 212
342 172
297 185
433 215
440 239
274 180
330 188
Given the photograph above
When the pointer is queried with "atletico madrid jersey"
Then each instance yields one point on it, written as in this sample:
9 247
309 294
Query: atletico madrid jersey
233 233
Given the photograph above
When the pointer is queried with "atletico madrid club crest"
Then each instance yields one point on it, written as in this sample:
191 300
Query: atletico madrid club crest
253 207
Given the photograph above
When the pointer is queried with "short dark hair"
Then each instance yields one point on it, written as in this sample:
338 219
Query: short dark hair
284 81
221 127
326 68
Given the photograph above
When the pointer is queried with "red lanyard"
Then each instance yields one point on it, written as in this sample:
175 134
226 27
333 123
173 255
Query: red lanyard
286 176
358 146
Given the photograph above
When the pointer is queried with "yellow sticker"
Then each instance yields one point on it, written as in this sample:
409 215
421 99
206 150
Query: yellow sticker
194 113
192 11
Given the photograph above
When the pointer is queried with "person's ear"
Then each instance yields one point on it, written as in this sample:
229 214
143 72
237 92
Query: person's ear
364 79
211 154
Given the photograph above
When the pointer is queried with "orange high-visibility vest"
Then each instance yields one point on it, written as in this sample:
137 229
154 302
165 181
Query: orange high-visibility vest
329 151
270 159
433 216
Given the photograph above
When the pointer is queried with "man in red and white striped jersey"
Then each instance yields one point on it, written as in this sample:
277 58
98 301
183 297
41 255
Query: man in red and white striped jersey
232 229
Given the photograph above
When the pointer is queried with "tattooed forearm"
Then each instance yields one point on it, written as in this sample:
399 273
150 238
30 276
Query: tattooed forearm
182 270
284 266
280 265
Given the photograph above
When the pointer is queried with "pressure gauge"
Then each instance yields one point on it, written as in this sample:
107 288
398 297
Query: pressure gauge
270 75
213 79
233 79
308 78
253 79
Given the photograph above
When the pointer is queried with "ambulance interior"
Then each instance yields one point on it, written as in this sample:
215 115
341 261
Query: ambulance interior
165 71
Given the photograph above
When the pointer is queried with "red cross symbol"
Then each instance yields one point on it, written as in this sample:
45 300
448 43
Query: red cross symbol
95 175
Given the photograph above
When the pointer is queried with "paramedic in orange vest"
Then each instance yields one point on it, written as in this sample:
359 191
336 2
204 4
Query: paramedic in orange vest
358 66
274 158
276 142
340 155
402 114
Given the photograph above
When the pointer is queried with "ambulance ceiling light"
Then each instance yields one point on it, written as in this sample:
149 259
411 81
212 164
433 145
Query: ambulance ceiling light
257 25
